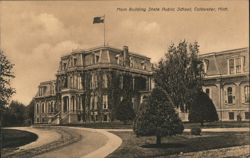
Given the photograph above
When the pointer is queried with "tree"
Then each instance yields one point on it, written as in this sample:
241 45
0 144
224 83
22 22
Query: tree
125 111
6 74
180 74
202 110
29 111
157 117
17 112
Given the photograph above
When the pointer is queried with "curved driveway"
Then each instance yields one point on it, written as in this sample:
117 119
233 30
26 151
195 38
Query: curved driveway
94 143
44 137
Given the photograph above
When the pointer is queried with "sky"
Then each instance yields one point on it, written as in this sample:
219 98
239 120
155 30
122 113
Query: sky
34 35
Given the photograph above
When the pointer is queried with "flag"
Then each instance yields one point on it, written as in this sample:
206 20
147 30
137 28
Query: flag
98 20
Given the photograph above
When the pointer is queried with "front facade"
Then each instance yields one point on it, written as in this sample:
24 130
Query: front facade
227 83
91 83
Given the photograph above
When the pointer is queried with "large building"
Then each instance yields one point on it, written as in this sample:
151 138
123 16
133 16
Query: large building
90 83
227 83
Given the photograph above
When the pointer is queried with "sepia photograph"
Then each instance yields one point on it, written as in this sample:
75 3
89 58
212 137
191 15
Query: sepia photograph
124 79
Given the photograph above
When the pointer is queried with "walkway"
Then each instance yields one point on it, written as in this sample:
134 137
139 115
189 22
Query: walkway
44 137
95 143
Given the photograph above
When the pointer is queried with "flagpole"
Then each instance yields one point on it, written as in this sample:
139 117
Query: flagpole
104 30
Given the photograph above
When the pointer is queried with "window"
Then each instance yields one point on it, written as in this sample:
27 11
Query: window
231 115
75 61
49 108
93 83
238 65
235 65
105 118
43 107
117 57
205 66
92 106
97 58
121 82
133 102
96 101
37 108
105 81
231 66
52 89
247 115
143 65
79 82
246 94
207 91
64 66
71 82
131 62
229 95
105 101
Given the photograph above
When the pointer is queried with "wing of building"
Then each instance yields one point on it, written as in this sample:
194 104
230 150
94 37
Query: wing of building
227 82
90 83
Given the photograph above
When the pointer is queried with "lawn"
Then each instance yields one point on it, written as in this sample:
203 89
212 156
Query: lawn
14 138
133 146
120 125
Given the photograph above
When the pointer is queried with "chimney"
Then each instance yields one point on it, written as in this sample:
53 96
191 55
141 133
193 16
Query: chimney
125 55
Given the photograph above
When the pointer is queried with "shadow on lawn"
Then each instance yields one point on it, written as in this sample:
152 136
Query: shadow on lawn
164 145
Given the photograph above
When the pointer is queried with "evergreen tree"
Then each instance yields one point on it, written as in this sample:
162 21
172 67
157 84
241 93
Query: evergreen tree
203 110
125 111
157 117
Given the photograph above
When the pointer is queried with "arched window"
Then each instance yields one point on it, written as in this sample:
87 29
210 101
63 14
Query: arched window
37 108
105 101
105 81
43 107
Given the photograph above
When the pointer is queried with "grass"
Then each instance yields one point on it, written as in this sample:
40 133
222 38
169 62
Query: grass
103 125
14 138
230 124
133 146
120 125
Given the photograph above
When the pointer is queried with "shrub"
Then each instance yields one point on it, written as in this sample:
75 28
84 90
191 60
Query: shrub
196 131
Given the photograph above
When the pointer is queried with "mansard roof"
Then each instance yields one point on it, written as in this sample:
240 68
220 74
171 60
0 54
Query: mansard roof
90 50
230 51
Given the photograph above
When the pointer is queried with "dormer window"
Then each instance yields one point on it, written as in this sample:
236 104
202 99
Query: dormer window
131 62
231 66
235 65
205 65
143 65
117 57
64 66
75 61
97 58
238 65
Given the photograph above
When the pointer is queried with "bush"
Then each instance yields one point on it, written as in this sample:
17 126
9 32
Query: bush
196 131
